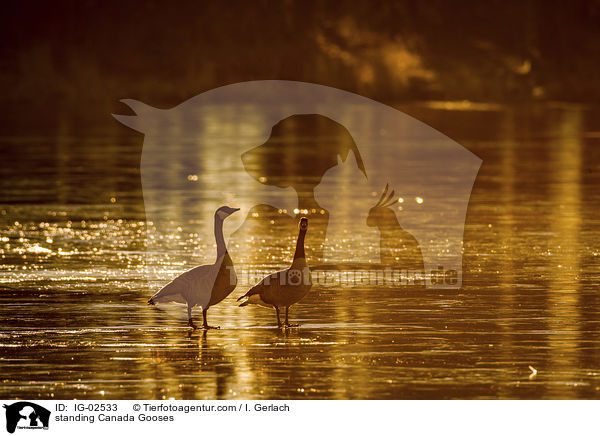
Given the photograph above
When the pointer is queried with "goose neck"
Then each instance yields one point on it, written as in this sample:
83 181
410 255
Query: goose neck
221 247
299 254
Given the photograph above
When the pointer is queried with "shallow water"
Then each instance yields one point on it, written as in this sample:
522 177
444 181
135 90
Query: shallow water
73 286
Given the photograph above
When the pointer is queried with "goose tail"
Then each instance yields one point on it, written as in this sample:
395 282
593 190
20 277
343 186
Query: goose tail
254 298
244 300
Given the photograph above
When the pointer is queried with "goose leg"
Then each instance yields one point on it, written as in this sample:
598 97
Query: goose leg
278 320
287 323
205 325
190 320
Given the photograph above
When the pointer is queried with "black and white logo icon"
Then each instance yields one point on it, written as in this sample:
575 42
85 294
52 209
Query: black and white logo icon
26 415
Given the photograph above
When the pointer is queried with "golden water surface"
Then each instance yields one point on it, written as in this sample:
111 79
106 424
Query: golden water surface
73 289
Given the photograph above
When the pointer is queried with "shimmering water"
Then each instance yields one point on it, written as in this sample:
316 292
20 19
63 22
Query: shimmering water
73 288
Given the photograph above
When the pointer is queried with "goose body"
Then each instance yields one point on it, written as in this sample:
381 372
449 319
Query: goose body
286 287
204 285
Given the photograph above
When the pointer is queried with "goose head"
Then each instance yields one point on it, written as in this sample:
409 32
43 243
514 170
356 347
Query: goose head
224 211
303 224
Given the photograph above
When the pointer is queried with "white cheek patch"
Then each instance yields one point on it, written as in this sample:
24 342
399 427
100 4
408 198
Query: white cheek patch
221 214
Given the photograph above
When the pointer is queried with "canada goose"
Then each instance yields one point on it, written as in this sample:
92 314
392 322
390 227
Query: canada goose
204 285
398 248
284 288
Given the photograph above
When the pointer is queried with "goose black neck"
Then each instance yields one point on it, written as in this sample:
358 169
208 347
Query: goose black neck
221 247
299 254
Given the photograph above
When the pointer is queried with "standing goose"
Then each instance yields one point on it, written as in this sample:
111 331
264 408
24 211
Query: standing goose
204 285
284 288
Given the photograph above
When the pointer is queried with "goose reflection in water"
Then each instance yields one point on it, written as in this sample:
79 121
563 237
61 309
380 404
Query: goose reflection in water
199 356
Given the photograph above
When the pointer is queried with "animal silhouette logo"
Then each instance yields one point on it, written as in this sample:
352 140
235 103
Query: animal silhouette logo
398 248
26 415
270 148
347 232
294 277
316 144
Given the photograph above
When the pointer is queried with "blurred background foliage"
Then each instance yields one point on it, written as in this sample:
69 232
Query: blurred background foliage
71 61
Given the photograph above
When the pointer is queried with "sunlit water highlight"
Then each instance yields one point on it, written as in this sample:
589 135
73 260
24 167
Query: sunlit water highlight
73 287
